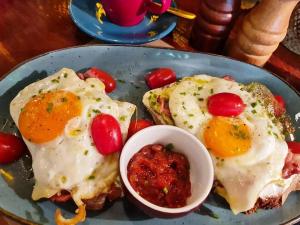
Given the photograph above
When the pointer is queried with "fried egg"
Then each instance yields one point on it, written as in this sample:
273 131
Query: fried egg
248 151
54 116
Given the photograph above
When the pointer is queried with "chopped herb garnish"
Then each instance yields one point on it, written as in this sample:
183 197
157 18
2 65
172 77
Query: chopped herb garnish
254 111
40 91
182 93
211 91
200 88
152 103
49 107
122 118
86 152
169 147
109 107
215 216
55 81
89 115
96 111
185 122
191 127
191 115
65 75
92 177
63 179
98 99
254 104
92 85
33 96
269 132
200 99
175 114
121 81
64 99
165 190
236 127
238 133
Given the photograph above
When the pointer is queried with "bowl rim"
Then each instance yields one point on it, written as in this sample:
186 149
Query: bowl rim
210 171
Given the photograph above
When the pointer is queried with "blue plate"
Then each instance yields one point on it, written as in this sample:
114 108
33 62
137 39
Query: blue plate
83 13
15 196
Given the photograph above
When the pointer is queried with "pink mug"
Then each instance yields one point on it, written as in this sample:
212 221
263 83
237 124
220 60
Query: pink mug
131 12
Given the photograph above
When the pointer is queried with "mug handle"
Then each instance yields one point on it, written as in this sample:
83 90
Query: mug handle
155 9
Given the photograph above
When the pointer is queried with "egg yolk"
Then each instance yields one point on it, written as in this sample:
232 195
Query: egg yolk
44 117
226 137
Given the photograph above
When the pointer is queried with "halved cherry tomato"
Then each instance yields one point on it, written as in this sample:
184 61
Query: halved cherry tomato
294 146
63 197
225 104
160 77
108 80
138 125
106 134
228 77
279 108
11 148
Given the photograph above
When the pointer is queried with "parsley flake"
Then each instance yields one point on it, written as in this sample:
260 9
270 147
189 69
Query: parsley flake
49 107
169 147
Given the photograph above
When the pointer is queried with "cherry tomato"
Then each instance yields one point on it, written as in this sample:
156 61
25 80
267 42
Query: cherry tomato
228 77
108 80
106 134
160 77
11 148
280 107
138 125
225 104
294 147
63 197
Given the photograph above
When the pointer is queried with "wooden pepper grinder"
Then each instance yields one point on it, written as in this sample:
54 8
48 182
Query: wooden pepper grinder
213 24
261 31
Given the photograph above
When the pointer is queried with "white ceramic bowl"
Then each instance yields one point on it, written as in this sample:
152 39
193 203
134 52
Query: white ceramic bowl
201 167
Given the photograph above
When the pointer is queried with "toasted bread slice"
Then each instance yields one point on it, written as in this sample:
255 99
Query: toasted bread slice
259 91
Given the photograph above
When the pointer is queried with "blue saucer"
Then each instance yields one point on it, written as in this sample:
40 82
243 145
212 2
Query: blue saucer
83 13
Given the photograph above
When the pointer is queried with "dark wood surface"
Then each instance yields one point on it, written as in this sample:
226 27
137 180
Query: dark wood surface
32 27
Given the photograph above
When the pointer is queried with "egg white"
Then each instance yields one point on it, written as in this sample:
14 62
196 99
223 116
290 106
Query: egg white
71 161
246 175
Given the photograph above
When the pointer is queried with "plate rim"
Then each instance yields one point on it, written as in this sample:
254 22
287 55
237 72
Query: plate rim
26 221
142 41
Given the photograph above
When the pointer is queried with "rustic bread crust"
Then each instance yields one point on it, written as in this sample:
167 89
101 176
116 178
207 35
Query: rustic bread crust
276 201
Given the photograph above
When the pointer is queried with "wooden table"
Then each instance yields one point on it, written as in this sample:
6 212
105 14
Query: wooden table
31 27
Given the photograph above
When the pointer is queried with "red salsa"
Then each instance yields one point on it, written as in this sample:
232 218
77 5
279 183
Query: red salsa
160 176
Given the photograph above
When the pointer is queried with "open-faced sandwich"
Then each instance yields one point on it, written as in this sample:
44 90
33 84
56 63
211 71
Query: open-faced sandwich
63 120
244 127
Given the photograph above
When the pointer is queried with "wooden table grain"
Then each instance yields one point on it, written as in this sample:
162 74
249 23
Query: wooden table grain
32 27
